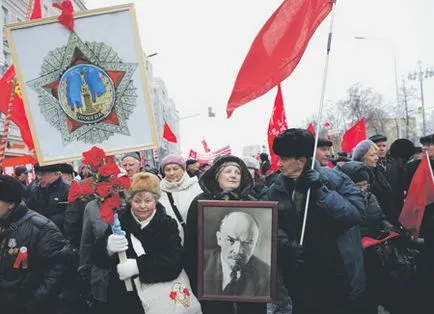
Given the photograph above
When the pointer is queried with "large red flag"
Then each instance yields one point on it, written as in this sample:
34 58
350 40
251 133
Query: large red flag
205 146
353 136
168 135
420 194
277 49
276 126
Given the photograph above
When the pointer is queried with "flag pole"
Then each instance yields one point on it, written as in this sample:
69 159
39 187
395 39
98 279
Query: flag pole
321 105
430 166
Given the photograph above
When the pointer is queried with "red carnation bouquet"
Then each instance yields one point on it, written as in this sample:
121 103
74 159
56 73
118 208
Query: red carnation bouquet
104 186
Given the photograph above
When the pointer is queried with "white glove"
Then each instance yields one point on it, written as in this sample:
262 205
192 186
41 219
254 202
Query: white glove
116 243
128 269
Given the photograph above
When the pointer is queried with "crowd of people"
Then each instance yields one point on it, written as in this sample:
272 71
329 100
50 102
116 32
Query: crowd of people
61 257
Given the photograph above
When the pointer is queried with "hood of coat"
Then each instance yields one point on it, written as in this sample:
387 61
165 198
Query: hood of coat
209 183
184 184
355 170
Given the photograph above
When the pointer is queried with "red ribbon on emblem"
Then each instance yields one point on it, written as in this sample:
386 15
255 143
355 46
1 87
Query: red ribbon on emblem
21 259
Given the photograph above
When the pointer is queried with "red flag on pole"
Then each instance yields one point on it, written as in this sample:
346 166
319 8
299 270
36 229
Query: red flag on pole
353 136
420 194
168 135
311 129
18 115
277 49
37 12
205 146
66 18
276 126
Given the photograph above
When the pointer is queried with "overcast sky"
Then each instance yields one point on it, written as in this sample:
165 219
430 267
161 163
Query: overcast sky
201 45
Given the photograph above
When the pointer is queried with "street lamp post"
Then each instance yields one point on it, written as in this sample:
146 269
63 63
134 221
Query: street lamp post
421 75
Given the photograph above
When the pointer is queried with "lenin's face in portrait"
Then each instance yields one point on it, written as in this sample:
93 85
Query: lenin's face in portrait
237 239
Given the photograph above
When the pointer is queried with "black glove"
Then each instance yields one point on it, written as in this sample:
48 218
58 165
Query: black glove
298 252
311 179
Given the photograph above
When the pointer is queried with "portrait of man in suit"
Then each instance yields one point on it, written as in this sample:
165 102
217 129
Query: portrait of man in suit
231 268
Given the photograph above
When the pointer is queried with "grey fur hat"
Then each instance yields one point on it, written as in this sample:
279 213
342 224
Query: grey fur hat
361 149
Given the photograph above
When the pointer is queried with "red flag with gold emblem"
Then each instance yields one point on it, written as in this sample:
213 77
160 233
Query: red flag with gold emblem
18 115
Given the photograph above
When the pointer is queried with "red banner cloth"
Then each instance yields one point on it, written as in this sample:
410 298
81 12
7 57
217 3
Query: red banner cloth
168 135
420 194
367 241
277 49
276 126
353 136
37 12
18 115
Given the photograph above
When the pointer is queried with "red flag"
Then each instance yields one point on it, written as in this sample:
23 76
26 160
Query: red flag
311 129
192 154
18 115
37 13
168 135
205 146
420 194
353 136
66 18
277 49
367 241
276 126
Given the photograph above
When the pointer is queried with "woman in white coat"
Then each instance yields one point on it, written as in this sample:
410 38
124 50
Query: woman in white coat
177 189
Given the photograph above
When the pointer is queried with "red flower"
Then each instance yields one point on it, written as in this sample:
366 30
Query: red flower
109 206
74 192
109 169
106 212
172 295
123 182
104 189
94 157
87 187
186 292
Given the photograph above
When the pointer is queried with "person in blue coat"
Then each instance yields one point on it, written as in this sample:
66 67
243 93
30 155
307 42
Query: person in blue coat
326 274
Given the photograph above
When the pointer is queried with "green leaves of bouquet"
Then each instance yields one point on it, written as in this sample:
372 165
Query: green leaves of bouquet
105 186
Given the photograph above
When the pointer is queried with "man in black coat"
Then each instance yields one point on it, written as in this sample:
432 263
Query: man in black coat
326 275
34 255
49 196
232 269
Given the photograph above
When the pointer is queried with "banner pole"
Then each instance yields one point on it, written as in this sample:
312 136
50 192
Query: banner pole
318 123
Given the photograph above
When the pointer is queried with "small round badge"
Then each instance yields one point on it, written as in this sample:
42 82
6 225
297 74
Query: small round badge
23 249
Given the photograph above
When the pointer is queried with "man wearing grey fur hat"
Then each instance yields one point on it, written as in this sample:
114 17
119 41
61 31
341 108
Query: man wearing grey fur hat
326 275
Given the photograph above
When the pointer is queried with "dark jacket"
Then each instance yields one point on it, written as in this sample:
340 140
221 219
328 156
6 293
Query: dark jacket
35 289
50 201
254 280
212 191
333 268
162 261
381 188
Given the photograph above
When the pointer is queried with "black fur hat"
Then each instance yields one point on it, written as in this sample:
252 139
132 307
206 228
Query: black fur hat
49 168
427 139
294 143
11 189
323 142
402 148
378 138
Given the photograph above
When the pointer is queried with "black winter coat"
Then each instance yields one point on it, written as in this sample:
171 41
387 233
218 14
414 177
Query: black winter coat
333 270
33 289
211 191
50 201
162 261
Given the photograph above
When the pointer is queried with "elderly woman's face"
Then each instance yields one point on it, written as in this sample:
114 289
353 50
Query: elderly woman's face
173 172
143 205
371 158
230 178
